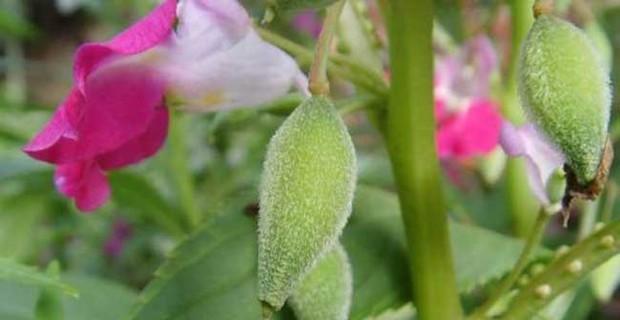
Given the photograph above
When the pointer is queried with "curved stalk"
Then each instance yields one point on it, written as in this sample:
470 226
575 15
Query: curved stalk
318 83
531 243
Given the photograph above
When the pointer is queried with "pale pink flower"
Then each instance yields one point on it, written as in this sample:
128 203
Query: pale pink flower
116 115
468 119
542 158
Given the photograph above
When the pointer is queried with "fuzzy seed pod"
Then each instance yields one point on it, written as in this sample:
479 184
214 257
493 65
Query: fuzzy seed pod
325 293
564 89
305 197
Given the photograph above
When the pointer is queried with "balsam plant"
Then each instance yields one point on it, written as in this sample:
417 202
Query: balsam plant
245 251
564 88
326 290
305 196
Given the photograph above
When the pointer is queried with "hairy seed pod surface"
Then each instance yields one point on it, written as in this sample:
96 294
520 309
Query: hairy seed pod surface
564 89
305 196
326 291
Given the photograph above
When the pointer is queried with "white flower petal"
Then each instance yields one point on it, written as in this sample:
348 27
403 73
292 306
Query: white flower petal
217 61
206 27
249 73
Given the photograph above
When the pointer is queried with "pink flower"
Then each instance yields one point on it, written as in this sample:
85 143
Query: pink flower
468 120
308 21
115 115
542 157
115 243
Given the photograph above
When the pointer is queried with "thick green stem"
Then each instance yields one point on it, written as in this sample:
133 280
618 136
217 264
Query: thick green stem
318 84
521 204
531 243
410 133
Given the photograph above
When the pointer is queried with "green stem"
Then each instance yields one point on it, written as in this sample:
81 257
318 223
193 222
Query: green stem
610 200
180 172
410 133
318 84
531 243
521 204
337 64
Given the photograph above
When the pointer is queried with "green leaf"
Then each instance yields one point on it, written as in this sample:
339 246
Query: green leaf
12 271
133 191
14 26
49 303
99 300
18 219
375 241
482 255
213 273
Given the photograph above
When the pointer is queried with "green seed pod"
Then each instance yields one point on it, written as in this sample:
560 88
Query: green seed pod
564 89
325 293
305 197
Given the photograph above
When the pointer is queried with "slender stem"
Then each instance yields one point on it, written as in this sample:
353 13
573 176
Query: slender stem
531 243
564 272
610 200
181 175
318 83
410 133
337 64
522 206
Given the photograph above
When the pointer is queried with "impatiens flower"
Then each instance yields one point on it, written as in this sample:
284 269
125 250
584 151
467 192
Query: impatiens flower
115 243
473 131
308 21
468 120
116 113
541 156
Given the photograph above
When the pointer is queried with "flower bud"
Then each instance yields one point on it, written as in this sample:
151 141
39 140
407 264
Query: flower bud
564 89
325 292
305 198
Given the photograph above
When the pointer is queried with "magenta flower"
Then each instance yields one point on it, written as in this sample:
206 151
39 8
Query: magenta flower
468 120
116 115
542 157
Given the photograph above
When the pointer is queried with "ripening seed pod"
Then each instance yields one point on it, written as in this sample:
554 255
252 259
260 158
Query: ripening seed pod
305 196
564 89
325 292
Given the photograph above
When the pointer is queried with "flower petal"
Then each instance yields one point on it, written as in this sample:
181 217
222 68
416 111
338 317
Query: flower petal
119 106
309 22
145 34
542 157
249 73
142 146
59 127
470 133
483 58
206 27
85 183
